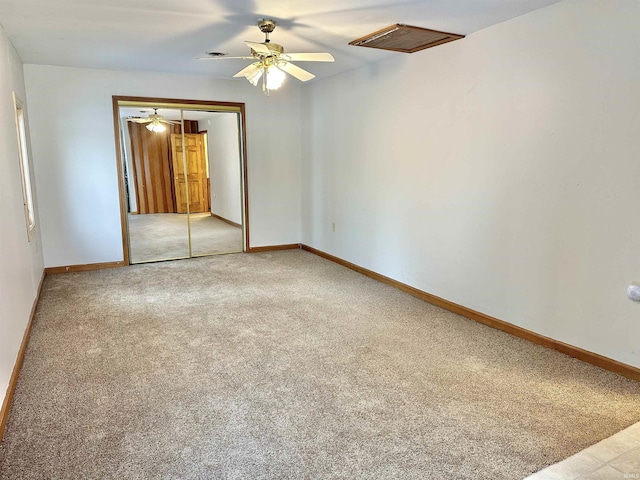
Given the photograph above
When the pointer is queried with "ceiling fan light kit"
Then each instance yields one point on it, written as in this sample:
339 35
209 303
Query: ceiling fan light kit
274 78
405 38
272 64
156 127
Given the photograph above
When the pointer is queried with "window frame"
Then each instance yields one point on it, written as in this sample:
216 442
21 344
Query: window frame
25 168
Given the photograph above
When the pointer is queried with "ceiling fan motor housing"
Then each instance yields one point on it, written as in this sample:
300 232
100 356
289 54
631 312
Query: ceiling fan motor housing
275 48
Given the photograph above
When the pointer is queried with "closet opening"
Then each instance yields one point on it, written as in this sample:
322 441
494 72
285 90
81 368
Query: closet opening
182 178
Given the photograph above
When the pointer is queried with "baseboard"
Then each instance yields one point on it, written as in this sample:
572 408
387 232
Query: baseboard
576 352
6 404
226 220
82 268
271 248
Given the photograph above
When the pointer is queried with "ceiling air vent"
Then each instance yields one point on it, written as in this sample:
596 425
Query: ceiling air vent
405 38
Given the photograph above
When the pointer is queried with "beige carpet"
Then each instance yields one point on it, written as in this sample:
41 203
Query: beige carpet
161 236
284 365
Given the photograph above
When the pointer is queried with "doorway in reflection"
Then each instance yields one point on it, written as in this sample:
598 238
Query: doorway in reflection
182 180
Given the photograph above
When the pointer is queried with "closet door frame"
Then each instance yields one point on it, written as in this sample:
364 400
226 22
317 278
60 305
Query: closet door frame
205 105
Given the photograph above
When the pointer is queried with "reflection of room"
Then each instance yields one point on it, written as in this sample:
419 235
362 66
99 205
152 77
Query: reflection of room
183 184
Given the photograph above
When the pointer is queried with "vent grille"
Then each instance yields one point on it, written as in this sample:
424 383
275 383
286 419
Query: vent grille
405 38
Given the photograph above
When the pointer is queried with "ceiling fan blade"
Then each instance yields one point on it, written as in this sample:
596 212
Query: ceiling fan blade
171 122
248 70
259 48
225 58
300 73
138 120
310 57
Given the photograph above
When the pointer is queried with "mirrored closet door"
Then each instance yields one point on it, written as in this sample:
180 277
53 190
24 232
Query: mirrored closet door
214 166
182 180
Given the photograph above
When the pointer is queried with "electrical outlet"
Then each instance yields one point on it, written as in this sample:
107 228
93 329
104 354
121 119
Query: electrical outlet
333 227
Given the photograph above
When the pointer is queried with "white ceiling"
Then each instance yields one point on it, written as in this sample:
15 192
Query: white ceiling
168 35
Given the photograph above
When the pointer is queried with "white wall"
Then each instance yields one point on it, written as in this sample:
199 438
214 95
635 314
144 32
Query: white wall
501 172
20 260
74 155
224 165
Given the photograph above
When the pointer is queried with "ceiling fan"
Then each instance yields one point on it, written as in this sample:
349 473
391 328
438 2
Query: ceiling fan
154 120
271 61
